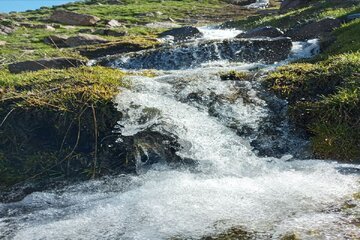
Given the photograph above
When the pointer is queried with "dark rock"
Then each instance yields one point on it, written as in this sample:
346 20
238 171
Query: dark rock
314 29
72 18
110 49
267 31
56 40
182 33
241 2
291 4
55 63
352 17
84 39
191 55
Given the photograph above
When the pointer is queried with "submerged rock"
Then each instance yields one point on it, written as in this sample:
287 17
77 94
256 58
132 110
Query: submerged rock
267 31
182 33
193 54
72 18
55 63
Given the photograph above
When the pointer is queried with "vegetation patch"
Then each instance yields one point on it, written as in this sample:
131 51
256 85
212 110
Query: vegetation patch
53 123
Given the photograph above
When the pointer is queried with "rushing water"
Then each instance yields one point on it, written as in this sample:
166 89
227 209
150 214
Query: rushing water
229 186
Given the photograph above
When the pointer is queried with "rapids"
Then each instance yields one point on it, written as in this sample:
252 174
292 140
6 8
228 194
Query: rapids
231 184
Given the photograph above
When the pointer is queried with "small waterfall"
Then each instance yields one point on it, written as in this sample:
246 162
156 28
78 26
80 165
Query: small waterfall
194 116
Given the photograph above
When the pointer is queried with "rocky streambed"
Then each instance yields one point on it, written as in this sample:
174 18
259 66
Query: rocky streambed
210 150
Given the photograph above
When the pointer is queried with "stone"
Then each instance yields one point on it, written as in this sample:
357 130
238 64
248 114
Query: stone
2 43
241 2
162 25
5 30
111 32
292 4
56 40
54 63
113 23
84 39
111 48
314 29
352 17
38 26
267 31
72 18
185 55
182 33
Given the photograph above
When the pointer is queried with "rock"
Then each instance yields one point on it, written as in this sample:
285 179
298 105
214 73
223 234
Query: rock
162 25
55 63
314 29
110 49
291 4
111 32
351 17
84 39
57 40
182 33
72 18
267 31
241 2
2 43
5 30
113 23
188 55
38 26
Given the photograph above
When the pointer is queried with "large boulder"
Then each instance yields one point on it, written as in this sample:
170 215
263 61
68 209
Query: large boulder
267 31
55 63
186 55
84 39
291 4
72 18
182 33
314 29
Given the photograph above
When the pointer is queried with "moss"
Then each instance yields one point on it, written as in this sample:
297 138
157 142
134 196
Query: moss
235 75
53 122
324 98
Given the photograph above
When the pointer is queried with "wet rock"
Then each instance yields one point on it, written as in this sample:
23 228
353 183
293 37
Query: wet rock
314 29
241 2
267 31
3 43
291 4
55 63
182 33
113 23
72 18
352 17
187 55
84 39
56 40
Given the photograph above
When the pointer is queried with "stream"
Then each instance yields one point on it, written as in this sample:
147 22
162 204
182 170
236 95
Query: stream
242 164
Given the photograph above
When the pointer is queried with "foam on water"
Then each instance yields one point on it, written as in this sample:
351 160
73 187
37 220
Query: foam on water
230 186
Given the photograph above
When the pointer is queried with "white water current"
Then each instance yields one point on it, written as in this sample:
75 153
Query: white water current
229 187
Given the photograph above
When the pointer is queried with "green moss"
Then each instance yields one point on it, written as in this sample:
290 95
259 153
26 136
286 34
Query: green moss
324 98
235 75
52 122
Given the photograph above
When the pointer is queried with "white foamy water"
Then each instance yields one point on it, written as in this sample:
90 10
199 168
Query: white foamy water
259 4
230 185
218 33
